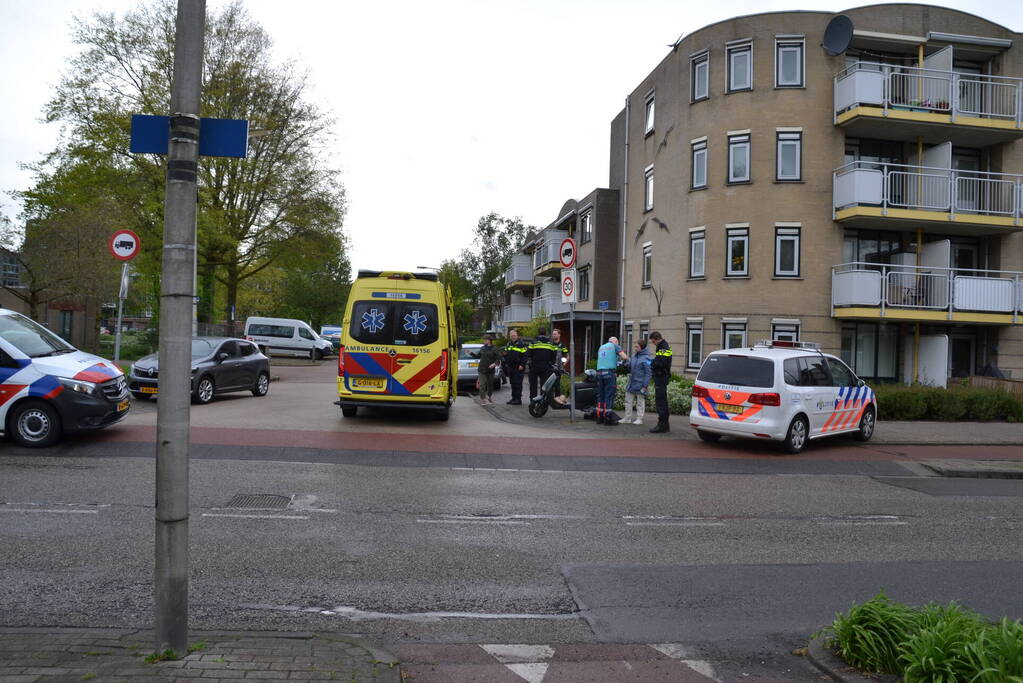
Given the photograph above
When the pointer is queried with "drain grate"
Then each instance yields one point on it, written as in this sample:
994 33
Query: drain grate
259 501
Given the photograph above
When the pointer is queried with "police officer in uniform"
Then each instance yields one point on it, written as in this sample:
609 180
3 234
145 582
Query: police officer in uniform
542 355
661 367
514 365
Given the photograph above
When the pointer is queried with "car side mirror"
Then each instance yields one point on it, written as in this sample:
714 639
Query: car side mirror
222 356
860 383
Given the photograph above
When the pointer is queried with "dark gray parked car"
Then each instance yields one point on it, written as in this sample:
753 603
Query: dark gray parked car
219 365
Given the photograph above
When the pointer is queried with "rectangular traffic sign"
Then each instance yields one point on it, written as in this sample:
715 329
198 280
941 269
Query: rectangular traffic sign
569 286
217 137
603 305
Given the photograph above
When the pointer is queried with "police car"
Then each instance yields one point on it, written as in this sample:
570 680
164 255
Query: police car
780 390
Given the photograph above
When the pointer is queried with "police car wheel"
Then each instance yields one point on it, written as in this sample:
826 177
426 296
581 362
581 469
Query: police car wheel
709 437
795 439
866 429
35 424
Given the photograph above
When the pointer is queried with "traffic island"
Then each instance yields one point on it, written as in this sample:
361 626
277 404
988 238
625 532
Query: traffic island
977 469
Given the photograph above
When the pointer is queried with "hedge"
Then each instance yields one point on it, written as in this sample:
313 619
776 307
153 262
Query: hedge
916 402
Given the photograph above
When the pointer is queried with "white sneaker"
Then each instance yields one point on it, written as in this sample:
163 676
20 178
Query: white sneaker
637 421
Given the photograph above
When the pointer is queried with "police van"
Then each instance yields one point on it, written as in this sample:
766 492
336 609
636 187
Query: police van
780 390
398 344
49 388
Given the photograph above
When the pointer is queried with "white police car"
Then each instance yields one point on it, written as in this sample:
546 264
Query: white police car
48 387
781 390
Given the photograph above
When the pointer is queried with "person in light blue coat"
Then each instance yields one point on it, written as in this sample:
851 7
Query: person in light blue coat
639 379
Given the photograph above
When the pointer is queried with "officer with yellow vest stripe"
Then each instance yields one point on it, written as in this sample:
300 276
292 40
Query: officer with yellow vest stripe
542 356
514 365
661 367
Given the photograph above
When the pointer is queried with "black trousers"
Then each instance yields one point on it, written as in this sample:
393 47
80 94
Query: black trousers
536 379
515 377
661 400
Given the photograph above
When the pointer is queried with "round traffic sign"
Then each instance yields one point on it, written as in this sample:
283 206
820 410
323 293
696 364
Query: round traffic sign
567 252
567 285
125 245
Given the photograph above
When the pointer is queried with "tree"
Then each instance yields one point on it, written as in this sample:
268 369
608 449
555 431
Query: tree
495 242
452 273
249 209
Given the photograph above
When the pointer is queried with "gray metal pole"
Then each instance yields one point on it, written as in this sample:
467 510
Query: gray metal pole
120 309
170 585
571 363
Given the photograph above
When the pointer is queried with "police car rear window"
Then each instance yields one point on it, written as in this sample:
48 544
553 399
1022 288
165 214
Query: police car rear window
401 323
738 370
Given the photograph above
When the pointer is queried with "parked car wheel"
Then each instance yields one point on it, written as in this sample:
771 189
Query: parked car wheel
795 439
867 423
204 390
262 385
709 437
444 414
34 424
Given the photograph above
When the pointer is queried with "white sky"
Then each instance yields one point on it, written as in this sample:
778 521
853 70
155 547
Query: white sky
445 110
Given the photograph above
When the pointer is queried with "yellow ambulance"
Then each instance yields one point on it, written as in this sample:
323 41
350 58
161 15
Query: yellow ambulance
398 344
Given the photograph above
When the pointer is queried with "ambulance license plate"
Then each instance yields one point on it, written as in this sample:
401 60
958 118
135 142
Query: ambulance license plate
148 390
122 406
367 383
725 408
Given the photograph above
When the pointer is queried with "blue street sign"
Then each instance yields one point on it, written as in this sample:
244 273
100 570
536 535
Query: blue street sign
217 137
603 305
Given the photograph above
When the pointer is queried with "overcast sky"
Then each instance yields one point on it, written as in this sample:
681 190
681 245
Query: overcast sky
445 110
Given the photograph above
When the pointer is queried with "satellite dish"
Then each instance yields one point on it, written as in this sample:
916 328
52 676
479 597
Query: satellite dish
838 35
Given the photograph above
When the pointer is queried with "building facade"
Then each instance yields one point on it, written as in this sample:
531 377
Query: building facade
871 200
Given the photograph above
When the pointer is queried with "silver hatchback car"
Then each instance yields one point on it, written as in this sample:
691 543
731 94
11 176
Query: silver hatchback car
468 367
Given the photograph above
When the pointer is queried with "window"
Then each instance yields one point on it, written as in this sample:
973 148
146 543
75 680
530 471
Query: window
644 332
697 252
649 115
871 350
699 164
743 371
394 322
304 333
245 349
12 271
648 263
699 77
230 348
586 227
733 335
740 67
628 336
790 157
785 332
265 330
584 284
648 188
738 158
806 371
65 324
694 351
788 63
786 252
737 252
841 376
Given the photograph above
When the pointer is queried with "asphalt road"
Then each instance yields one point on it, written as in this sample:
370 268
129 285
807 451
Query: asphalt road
733 562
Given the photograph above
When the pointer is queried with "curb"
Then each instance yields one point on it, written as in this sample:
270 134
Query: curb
975 470
833 665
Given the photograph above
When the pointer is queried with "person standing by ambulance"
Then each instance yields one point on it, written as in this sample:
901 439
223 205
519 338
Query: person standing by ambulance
514 365
661 370
490 358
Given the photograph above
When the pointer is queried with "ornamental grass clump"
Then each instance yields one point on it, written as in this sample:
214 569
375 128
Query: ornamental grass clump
868 636
936 651
997 654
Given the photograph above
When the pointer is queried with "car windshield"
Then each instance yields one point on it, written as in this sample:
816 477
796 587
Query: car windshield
202 348
742 371
469 353
31 338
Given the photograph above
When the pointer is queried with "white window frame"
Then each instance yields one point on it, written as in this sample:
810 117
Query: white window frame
786 234
735 144
584 283
698 244
790 44
788 138
785 331
649 113
737 235
728 328
694 329
697 63
733 51
648 263
648 188
699 156
586 227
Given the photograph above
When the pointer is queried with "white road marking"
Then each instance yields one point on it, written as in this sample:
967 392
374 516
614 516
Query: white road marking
670 520
215 514
678 652
675 523
855 523
864 520
533 672
491 522
58 512
423 617
509 654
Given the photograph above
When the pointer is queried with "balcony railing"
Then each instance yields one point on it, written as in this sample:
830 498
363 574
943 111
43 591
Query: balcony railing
885 286
518 271
548 304
927 188
547 252
941 92
517 313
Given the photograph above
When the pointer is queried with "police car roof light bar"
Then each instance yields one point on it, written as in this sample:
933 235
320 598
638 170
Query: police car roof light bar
786 344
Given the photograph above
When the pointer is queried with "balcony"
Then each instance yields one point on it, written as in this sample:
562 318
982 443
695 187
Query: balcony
548 304
517 314
926 294
519 274
900 197
546 259
898 103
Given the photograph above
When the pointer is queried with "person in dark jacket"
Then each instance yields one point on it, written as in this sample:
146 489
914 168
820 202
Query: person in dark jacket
542 355
490 358
639 382
515 365
661 370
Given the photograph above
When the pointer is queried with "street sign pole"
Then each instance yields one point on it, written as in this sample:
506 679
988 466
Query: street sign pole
121 296
170 576
571 362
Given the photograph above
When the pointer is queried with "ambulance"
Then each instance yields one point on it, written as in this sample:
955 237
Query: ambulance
784 391
399 345
49 388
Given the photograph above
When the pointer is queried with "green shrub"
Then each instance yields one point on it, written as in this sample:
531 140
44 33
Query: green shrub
901 403
948 405
997 654
937 651
868 636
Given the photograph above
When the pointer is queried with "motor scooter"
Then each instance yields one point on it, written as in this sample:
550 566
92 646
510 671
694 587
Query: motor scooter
585 393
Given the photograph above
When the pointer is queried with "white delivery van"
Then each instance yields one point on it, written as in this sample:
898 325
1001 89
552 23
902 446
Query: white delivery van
49 388
285 337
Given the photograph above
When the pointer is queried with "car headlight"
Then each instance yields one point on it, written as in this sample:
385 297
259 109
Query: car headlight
78 385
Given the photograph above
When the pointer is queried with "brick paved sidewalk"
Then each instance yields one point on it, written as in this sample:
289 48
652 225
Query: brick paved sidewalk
28 655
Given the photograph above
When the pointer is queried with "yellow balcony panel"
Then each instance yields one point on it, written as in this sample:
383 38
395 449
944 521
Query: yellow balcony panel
923 316
877 218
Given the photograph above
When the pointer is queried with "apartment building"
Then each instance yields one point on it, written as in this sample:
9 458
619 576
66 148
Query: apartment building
533 281
870 200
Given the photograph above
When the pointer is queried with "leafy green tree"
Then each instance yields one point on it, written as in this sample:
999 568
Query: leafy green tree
316 281
452 273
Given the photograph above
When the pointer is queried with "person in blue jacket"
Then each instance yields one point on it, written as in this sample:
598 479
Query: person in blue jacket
639 380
